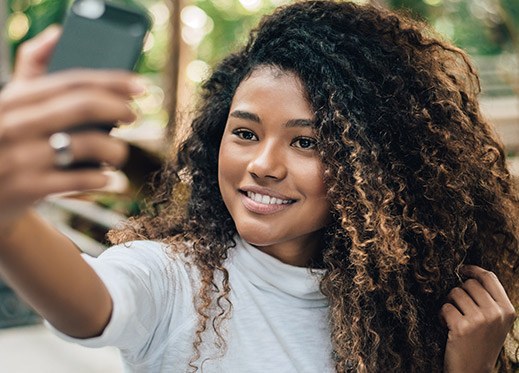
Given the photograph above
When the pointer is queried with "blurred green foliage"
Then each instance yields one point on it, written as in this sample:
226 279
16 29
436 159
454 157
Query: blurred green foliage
40 14
481 27
232 24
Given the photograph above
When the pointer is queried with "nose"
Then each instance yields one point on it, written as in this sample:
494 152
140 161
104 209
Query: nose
268 162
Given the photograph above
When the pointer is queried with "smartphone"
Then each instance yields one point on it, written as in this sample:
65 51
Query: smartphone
98 34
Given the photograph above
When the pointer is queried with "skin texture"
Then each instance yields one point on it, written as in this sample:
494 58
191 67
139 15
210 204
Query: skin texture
259 150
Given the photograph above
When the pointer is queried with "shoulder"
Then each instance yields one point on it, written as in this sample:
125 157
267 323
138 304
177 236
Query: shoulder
136 252
149 258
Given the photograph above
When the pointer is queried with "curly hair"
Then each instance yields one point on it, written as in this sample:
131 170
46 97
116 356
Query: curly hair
415 176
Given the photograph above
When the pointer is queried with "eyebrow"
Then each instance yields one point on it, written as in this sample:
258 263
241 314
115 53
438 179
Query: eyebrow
255 118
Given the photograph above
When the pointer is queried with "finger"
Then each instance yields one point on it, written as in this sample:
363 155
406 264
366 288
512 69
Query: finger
63 113
462 301
450 315
478 293
489 281
66 181
33 55
30 187
19 94
37 155
98 147
29 155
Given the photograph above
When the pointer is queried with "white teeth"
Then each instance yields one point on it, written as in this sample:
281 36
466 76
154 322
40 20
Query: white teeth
267 200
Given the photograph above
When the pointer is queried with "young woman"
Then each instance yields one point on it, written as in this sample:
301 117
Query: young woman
339 205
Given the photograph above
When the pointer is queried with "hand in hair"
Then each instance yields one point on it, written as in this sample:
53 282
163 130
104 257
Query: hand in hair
478 315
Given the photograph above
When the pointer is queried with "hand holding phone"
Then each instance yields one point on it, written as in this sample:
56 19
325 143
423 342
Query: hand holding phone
100 35
35 105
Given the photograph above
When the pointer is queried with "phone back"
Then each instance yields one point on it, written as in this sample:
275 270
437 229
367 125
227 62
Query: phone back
106 37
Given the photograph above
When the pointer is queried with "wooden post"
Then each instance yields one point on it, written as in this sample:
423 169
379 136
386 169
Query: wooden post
172 70
179 91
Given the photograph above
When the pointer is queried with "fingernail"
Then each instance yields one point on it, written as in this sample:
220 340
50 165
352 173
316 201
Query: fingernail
116 182
51 32
138 86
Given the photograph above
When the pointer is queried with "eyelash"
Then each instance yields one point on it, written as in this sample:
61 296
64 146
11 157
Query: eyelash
241 133
313 142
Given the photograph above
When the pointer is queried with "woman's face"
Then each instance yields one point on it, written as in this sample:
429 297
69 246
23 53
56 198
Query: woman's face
269 172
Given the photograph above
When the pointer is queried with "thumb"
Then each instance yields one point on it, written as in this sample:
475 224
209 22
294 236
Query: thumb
33 55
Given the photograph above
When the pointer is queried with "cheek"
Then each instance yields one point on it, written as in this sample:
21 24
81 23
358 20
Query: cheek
316 192
310 176
228 166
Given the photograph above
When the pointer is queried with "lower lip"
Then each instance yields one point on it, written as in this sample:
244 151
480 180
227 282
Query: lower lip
260 208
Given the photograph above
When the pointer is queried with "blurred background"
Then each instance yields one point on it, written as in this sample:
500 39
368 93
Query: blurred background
187 38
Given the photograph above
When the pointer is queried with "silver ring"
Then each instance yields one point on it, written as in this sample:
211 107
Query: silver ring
60 143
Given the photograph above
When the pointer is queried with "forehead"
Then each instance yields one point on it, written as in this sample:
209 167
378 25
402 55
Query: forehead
271 90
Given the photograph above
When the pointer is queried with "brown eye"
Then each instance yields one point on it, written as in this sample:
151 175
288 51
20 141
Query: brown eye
304 143
245 135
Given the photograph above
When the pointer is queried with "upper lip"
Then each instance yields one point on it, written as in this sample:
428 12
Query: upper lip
265 191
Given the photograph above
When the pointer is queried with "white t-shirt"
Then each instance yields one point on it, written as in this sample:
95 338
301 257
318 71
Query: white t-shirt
279 319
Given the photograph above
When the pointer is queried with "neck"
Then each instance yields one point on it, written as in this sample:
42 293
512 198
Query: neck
301 252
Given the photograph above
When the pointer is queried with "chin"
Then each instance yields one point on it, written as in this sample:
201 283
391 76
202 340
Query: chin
256 238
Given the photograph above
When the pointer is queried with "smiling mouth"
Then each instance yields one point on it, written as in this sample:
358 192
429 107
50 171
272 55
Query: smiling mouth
264 204
267 200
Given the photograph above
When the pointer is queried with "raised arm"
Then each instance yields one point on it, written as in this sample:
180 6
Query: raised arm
42 265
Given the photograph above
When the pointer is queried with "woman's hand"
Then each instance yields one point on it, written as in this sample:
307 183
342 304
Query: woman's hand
33 106
478 315
38 262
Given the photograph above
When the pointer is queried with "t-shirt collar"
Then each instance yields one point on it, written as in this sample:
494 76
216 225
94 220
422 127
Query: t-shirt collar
271 274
